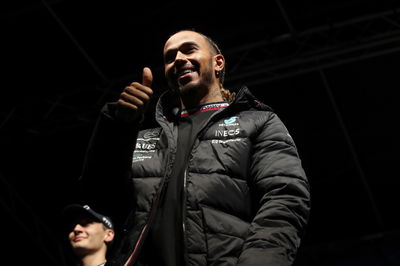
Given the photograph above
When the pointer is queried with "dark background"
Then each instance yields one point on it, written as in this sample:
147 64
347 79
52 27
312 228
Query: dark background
330 69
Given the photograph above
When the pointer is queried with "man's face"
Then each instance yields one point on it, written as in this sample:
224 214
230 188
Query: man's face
189 62
88 236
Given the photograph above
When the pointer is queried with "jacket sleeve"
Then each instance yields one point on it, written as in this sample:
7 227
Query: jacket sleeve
281 198
105 181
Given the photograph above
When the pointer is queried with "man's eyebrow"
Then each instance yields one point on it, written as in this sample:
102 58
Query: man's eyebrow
188 43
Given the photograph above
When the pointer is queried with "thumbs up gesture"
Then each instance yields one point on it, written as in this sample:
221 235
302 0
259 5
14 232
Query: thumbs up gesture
134 100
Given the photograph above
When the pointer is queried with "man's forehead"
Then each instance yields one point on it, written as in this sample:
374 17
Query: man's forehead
183 37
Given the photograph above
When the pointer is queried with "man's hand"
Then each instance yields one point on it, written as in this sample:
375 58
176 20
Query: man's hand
135 98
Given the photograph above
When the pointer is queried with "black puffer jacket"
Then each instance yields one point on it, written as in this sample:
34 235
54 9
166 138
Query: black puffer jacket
247 197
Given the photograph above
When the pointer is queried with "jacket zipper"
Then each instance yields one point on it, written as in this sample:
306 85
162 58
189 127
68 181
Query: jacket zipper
185 255
132 258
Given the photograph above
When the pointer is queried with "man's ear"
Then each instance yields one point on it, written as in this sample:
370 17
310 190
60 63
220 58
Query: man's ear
109 235
219 62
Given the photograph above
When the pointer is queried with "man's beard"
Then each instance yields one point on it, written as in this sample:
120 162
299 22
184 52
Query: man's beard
199 88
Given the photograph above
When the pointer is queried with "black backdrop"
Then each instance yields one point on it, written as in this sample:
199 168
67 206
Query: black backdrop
329 68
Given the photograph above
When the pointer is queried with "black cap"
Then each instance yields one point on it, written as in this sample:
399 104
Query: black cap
74 211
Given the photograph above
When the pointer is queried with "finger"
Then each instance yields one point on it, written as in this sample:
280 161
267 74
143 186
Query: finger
147 77
132 100
140 91
126 105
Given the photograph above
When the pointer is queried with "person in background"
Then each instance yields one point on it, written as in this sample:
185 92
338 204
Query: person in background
90 234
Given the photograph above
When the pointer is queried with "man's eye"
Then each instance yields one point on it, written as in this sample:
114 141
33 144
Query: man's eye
188 50
169 58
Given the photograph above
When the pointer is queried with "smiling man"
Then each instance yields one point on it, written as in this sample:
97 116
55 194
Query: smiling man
218 182
191 67
90 234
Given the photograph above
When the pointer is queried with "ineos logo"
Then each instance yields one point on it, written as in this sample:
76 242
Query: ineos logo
226 133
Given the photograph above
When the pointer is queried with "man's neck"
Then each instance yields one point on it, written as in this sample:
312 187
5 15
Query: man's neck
191 101
92 259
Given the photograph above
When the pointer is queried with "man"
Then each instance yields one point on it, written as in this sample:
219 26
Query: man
219 182
90 234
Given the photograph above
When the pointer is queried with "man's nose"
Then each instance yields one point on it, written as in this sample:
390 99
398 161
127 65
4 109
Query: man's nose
180 57
78 228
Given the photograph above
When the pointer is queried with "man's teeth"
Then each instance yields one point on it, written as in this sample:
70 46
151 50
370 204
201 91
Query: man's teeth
186 71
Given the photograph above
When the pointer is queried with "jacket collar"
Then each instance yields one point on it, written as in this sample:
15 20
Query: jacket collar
169 106
245 97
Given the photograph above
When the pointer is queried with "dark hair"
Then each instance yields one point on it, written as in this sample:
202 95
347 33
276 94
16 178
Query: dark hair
227 95
217 50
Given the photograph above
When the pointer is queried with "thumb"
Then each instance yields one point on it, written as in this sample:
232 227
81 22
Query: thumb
147 77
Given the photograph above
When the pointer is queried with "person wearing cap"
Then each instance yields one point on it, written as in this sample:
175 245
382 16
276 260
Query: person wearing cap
90 234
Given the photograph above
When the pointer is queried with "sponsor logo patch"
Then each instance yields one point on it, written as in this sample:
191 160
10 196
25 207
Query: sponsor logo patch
227 133
230 122
223 141
152 133
146 146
